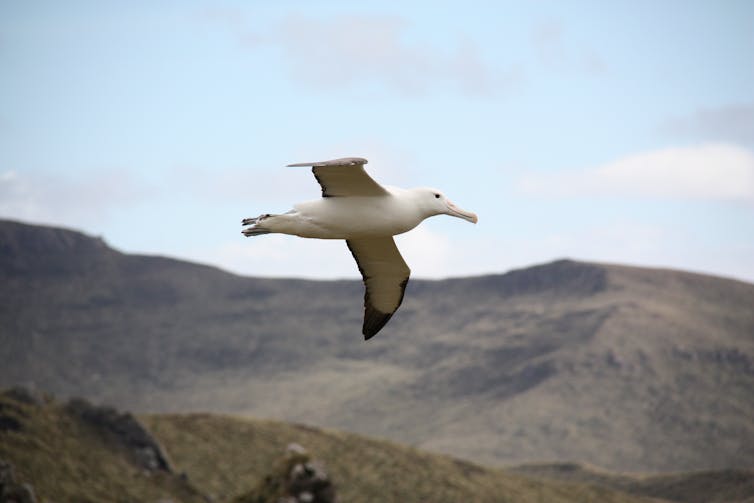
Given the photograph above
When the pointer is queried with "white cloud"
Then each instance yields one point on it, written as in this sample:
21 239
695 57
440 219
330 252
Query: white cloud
712 171
427 253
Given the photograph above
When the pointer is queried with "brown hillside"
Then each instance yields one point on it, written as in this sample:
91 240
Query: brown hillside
621 367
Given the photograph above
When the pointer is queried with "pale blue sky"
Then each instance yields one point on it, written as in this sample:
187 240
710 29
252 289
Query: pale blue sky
620 132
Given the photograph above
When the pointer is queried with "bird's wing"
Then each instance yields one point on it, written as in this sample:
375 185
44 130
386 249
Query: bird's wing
344 177
385 276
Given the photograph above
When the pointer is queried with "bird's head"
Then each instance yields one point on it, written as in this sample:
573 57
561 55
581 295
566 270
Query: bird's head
434 202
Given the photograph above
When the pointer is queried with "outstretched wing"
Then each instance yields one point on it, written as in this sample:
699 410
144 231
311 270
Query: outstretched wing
344 177
385 275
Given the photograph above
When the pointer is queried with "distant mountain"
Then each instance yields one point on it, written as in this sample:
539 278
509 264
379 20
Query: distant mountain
83 452
620 367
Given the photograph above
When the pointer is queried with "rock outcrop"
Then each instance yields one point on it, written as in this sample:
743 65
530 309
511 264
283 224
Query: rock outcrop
295 479
124 429
11 490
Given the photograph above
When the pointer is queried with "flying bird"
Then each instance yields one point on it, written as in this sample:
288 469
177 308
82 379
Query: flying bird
367 215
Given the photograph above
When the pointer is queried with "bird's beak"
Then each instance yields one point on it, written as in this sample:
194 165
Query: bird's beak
455 211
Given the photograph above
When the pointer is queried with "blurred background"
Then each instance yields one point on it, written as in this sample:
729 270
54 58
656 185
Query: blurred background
621 134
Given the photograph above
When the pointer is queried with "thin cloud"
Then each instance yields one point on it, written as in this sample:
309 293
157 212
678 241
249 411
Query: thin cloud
712 171
231 19
388 163
70 200
368 51
228 17
554 51
261 184
346 50
733 123
264 182
474 77
548 41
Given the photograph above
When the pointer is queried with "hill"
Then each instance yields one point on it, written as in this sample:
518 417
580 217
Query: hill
362 469
78 452
725 486
621 367
81 452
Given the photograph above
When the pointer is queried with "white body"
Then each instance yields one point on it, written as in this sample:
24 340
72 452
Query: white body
351 217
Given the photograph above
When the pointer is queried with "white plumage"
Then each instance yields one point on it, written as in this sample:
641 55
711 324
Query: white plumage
367 215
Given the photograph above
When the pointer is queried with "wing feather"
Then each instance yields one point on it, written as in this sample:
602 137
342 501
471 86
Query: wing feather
385 276
344 177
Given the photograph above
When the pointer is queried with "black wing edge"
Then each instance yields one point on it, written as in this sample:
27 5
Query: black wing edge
324 193
374 319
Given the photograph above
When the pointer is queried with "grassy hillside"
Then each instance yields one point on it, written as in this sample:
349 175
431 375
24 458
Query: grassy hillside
621 367
67 457
361 469
225 454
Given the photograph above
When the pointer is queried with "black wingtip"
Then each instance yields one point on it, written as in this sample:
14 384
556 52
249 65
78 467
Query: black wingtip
374 320
371 332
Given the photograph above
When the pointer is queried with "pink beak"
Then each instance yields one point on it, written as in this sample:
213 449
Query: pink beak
455 211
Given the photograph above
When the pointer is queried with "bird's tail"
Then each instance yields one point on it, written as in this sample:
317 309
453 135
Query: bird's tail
255 227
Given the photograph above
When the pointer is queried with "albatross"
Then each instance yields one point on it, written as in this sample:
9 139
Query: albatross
367 215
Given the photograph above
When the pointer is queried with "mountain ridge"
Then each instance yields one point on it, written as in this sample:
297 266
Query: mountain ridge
621 367
39 237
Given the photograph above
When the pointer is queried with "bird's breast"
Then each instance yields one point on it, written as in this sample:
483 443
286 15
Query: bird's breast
352 217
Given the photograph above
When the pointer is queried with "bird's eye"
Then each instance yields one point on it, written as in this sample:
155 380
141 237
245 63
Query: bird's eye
437 196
